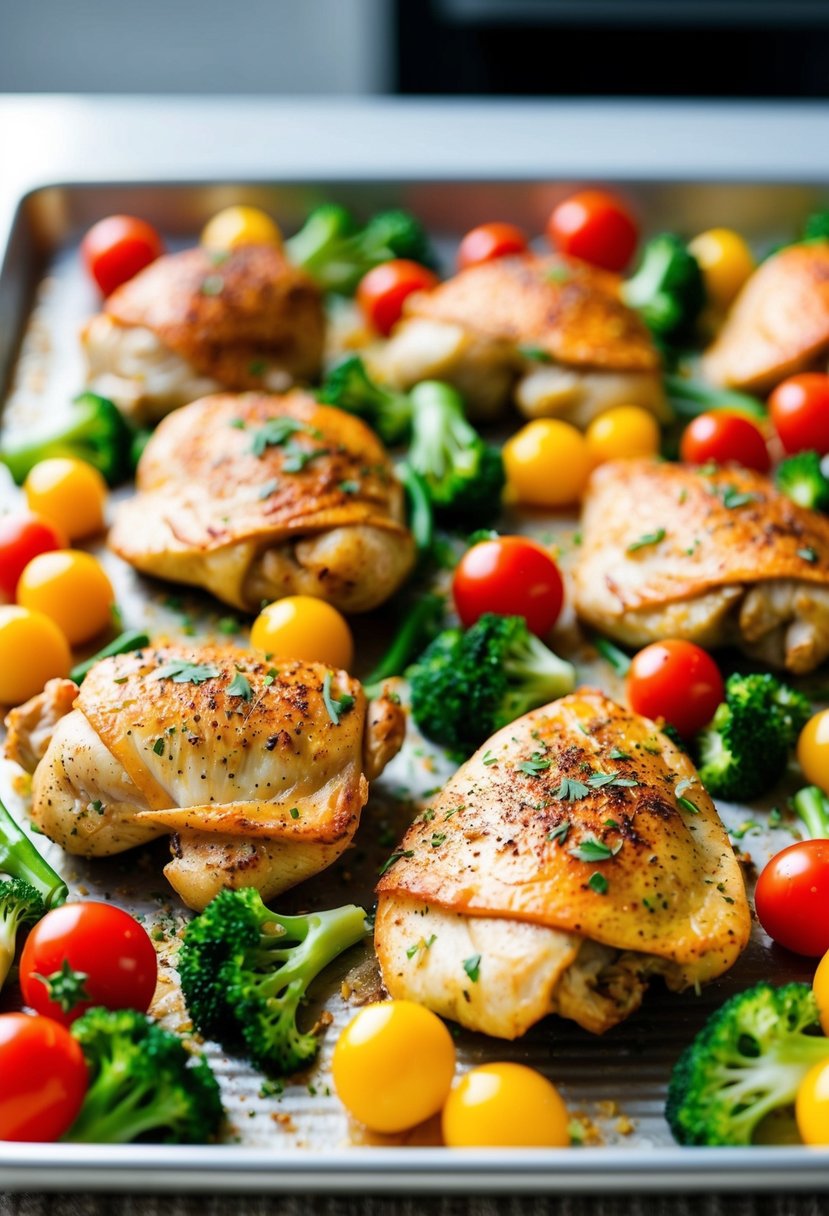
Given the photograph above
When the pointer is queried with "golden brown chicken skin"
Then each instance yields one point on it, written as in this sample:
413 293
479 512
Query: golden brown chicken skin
195 322
779 323
718 557
553 333
244 761
561 869
254 497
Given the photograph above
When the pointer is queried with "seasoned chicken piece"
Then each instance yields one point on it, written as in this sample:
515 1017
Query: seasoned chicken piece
259 770
255 497
196 322
556 872
718 557
29 727
779 323
554 334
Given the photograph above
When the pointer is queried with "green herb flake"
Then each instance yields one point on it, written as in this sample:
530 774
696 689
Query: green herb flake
649 538
336 706
732 497
270 487
687 805
558 274
396 856
437 839
257 367
489 758
598 883
350 487
297 458
213 285
571 790
268 679
294 812
536 354
158 747
472 967
591 849
240 687
424 944
808 554
535 765
182 671
276 432
617 754
97 806
559 833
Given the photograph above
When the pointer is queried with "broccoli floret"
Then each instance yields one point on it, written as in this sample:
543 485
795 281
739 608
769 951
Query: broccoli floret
130 639
245 971
465 686
94 431
419 626
812 807
21 906
336 252
143 1083
743 752
20 859
816 227
464 474
747 1061
388 412
667 289
801 479
419 510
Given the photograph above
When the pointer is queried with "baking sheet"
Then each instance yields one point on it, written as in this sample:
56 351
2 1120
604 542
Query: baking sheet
300 1136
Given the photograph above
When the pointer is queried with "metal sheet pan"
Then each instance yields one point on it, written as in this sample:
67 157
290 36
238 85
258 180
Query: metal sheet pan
301 1139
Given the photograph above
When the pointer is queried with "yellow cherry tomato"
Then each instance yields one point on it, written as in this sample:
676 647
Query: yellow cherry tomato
820 986
811 1107
725 261
302 627
393 1065
32 651
623 432
72 589
71 494
813 750
505 1106
240 226
547 463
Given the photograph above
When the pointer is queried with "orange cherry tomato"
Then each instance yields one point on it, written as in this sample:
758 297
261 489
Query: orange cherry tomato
490 241
381 293
677 681
116 248
595 226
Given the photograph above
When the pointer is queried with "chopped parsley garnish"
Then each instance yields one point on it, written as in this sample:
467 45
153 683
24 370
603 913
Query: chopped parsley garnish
686 784
97 806
336 706
618 754
270 487
535 765
424 944
437 839
472 967
182 671
536 353
213 285
158 747
240 687
558 274
277 431
732 497
570 790
649 538
808 553
599 780
294 812
396 856
559 833
591 849
598 883
489 758
229 625
687 804
296 458
270 677
350 487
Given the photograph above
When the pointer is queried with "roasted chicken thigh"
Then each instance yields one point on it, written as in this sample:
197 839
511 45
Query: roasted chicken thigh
257 771
193 323
719 557
557 872
551 333
255 497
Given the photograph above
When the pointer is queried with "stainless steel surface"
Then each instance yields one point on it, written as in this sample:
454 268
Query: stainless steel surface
315 1148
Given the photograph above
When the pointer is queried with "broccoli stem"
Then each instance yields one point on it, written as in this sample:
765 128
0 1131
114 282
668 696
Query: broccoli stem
116 1109
812 806
8 944
130 639
315 941
692 397
618 660
20 859
421 518
419 626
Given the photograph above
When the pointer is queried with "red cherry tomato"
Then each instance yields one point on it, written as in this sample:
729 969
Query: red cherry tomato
108 958
799 409
116 248
23 537
724 438
382 291
677 681
792 897
44 1078
596 227
511 576
489 241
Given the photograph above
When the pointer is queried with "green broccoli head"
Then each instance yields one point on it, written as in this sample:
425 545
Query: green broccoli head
348 387
465 475
747 1061
667 289
465 686
20 859
93 431
245 971
21 906
143 1083
801 479
816 227
743 752
336 252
